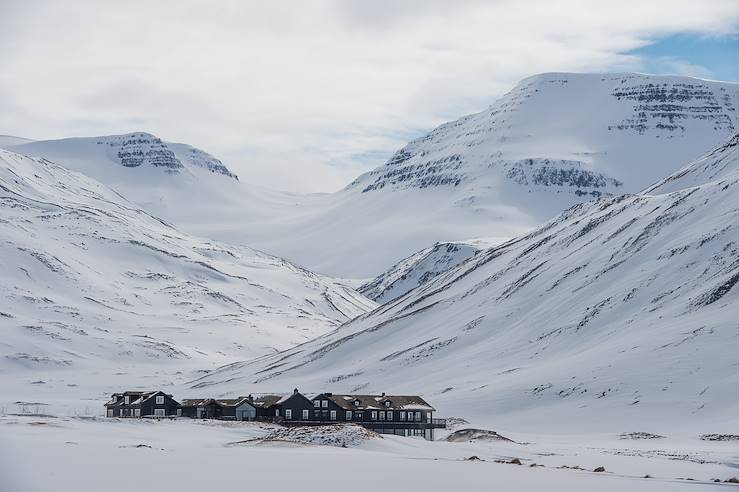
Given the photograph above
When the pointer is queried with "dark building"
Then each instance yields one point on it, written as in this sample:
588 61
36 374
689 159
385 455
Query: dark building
142 404
240 408
385 414
401 415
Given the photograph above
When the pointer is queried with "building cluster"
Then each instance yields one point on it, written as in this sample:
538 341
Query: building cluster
386 414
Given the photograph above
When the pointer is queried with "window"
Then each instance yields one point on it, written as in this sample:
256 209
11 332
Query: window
402 415
316 413
348 415
358 415
137 412
324 403
387 403
277 412
390 415
374 415
288 413
110 412
160 399
418 416
316 403
333 414
382 415
305 415
127 400
356 403
179 412
158 412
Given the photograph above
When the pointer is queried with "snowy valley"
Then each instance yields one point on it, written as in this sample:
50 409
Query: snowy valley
96 292
619 310
560 268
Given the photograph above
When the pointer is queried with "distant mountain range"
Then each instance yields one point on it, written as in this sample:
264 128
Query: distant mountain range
554 140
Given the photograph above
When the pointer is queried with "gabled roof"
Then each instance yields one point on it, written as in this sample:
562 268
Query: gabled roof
137 397
266 401
378 402
234 402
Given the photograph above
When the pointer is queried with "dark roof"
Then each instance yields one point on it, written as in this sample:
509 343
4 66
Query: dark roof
234 402
194 402
138 397
377 402
266 401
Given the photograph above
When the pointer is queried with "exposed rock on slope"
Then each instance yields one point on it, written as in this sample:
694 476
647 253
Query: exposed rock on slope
417 269
554 140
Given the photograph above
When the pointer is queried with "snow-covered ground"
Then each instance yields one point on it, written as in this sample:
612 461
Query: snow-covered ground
554 140
41 454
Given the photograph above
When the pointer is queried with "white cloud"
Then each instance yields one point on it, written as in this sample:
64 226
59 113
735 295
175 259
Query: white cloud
289 93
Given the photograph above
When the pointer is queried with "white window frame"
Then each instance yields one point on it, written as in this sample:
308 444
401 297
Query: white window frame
333 414
127 400
382 415
137 412
160 400
390 415
316 404
387 403
289 413
277 412
159 412
418 416
348 415
324 403
402 416
373 415
179 412
306 414
110 412
356 403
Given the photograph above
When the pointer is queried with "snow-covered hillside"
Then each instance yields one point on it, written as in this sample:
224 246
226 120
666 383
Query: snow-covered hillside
554 140
91 284
417 269
619 313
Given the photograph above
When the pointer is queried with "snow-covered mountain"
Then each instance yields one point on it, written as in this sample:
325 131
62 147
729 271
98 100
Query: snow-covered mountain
417 269
554 140
92 284
619 313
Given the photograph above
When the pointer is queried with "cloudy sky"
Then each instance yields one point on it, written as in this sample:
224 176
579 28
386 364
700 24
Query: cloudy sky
304 95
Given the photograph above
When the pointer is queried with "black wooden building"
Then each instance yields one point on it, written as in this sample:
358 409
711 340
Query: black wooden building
142 404
241 408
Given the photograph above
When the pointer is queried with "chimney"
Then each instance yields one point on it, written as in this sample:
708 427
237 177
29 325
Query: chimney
249 397
295 390
383 393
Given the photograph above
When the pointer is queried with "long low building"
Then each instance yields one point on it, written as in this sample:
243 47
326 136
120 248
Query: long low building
401 415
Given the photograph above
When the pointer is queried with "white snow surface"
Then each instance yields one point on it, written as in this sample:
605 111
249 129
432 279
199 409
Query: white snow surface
97 295
619 311
90 454
417 269
554 140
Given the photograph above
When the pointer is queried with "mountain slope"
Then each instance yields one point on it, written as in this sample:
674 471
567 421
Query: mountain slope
417 269
90 282
554 140
619 313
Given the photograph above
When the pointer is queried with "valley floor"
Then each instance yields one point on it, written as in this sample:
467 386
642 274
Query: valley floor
85 454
